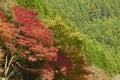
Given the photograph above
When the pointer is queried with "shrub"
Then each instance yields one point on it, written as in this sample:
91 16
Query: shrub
70 43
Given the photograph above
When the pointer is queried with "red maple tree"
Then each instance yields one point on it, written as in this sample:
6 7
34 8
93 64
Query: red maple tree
37 38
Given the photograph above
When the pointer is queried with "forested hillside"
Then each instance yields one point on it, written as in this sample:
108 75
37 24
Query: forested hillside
91 27
98 20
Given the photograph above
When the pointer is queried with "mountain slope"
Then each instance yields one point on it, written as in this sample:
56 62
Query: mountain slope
98 20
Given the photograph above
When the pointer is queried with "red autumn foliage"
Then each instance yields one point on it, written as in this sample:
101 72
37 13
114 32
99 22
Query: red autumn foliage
32 25
34 35
27 17
62 66
7 31
65 64
2 16
37 38
48 71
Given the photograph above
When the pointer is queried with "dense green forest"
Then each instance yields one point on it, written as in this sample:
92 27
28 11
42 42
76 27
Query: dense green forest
97 20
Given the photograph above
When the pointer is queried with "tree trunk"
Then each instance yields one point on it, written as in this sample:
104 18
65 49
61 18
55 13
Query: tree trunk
2 62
